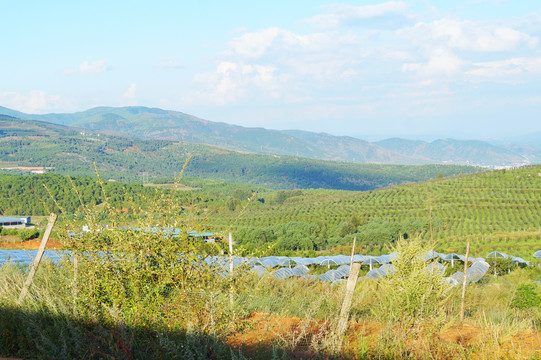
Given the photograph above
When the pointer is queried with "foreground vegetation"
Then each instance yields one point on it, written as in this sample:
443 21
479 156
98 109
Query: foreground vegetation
151 305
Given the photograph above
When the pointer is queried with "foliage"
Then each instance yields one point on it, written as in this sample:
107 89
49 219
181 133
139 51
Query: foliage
28 234
23 234
41 194
526 296
233 203
495 210
413 294
501 266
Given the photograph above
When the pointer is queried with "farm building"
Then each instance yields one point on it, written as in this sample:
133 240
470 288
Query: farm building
14 221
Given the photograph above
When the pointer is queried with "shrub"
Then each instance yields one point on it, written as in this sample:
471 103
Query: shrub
149 275
526 297
233 203
345 228
28 234
503 266
412 294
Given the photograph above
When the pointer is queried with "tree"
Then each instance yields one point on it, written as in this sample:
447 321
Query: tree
232 203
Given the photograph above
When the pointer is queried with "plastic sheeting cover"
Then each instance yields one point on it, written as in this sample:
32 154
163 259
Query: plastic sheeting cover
26 257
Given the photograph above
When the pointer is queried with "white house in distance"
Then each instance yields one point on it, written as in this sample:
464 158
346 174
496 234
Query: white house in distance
14 221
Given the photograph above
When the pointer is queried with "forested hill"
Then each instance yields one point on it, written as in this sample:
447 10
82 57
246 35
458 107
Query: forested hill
153 123
26 143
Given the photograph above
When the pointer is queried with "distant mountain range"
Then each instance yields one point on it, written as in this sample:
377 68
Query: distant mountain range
39 146
157 124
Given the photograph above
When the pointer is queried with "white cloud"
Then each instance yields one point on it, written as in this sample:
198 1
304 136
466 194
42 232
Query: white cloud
342 14
426 64
440 61
233 80
170 63
36 102
320 55
129 97
87 67
348 73
505 68
257 44
130 93
238 30
467 35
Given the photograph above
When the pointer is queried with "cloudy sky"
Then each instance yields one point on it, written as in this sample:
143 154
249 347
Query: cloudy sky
371 69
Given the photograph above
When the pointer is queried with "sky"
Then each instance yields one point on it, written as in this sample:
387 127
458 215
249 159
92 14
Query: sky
369 69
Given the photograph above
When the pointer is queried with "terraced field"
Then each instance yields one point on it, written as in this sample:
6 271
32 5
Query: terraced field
495 210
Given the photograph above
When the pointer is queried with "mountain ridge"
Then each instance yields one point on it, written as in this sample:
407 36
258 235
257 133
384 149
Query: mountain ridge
28 145
147 123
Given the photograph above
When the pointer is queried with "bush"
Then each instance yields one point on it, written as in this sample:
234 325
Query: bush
412 294
346 228
526 297
146 276
6 231
503 266
28 234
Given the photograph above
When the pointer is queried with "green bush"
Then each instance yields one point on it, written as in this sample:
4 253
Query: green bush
346 228
28 234
233 203
6 231
503 266
526 297
412 294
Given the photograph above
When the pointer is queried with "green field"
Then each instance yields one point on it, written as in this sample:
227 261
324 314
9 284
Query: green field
496 210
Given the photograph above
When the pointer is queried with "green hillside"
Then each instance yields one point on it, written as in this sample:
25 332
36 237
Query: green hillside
66 150
497 210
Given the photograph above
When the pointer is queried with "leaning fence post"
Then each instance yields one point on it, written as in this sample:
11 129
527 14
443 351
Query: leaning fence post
464 282
37 259
231 267
352 252
346 305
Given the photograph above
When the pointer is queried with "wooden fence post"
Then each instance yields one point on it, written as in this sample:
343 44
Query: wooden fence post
231 267
464 282
346 305
352 252
37 259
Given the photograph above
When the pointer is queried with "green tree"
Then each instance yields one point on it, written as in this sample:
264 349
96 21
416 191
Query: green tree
233 203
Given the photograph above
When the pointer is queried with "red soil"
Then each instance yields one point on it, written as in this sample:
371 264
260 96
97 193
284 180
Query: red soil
260 332
32 245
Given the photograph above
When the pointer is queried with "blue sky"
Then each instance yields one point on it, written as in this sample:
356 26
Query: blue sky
370 69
